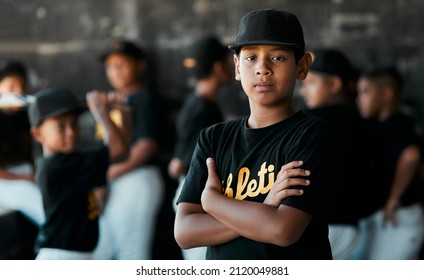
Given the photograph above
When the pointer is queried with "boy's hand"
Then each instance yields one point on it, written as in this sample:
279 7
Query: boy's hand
213 183
97 102
285 179
118 100
389 212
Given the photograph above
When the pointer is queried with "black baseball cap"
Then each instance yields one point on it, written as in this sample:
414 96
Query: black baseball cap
12 68
269 27
52 102
332 62
200 56
125 48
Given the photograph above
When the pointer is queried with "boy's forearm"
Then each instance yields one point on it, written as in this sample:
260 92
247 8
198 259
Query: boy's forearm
118 146
201 229
257 221
405 171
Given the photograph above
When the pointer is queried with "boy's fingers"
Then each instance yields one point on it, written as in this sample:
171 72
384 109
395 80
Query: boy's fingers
292 164
210 163
294 172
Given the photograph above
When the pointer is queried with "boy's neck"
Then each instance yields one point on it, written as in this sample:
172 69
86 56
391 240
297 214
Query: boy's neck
386 113
130 89
263 118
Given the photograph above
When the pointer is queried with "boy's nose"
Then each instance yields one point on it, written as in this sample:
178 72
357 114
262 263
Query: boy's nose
263 69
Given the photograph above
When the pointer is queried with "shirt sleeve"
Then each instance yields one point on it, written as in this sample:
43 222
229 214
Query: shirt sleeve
145 115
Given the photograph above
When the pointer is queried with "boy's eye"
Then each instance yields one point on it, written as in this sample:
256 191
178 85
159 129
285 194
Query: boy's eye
250 58
278 58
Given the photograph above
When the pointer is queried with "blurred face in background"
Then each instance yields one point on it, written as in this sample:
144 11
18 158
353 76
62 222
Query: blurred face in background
123 72
317 90
58 134
13 84
370 98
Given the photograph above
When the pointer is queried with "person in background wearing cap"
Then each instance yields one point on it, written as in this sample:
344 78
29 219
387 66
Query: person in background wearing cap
66 176
395 231
136 186
259 187
17 188
207 61
327 94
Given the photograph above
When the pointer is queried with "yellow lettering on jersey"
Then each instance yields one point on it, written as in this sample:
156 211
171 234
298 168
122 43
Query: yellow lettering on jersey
93 210
251 187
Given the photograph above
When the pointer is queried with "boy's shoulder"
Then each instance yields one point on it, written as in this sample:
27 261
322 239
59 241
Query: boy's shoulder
298 122
66 161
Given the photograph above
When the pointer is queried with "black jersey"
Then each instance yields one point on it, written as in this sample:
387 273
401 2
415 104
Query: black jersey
354 146
196 114
66 182
396 133
145 116
248 160
15 139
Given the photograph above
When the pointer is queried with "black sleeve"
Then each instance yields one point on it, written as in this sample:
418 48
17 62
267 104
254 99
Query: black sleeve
145 115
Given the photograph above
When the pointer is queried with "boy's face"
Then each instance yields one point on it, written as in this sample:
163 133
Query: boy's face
58 134
268 73
370 98
13 84
123 71
316 90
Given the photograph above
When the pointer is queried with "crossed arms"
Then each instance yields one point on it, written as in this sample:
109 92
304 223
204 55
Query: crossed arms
220 219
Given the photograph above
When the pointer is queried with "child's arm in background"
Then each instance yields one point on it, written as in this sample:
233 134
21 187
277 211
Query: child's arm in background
117 144
406 168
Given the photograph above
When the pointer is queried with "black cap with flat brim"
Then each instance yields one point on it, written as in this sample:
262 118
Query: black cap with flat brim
125 48
269 27
52 102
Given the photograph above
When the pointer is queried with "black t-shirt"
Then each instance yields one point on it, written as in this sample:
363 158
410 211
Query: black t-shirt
66 182
353 144
196 114
248 161
395 134
15 139
144 112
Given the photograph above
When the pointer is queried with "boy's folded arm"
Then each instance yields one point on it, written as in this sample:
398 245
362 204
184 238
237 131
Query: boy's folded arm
281 226
194 227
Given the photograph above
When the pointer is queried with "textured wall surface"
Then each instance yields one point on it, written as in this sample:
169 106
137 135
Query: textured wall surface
60 40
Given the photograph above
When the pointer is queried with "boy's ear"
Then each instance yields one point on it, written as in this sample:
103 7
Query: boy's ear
236 67
388 94
35 132
141 67
336 84
303 66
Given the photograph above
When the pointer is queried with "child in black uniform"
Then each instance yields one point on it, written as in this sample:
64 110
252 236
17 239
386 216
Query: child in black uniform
233 200
207 61
396 229
67 177
327 94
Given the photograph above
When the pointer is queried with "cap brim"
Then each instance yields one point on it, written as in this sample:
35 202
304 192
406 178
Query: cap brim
77 111
236 47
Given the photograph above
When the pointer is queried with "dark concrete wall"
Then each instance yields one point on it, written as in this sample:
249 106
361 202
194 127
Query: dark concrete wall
60 40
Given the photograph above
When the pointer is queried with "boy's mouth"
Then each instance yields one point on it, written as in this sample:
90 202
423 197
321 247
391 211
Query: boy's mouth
263 87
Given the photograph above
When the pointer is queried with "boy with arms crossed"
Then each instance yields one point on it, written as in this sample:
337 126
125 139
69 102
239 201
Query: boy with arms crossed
237 204
67 177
